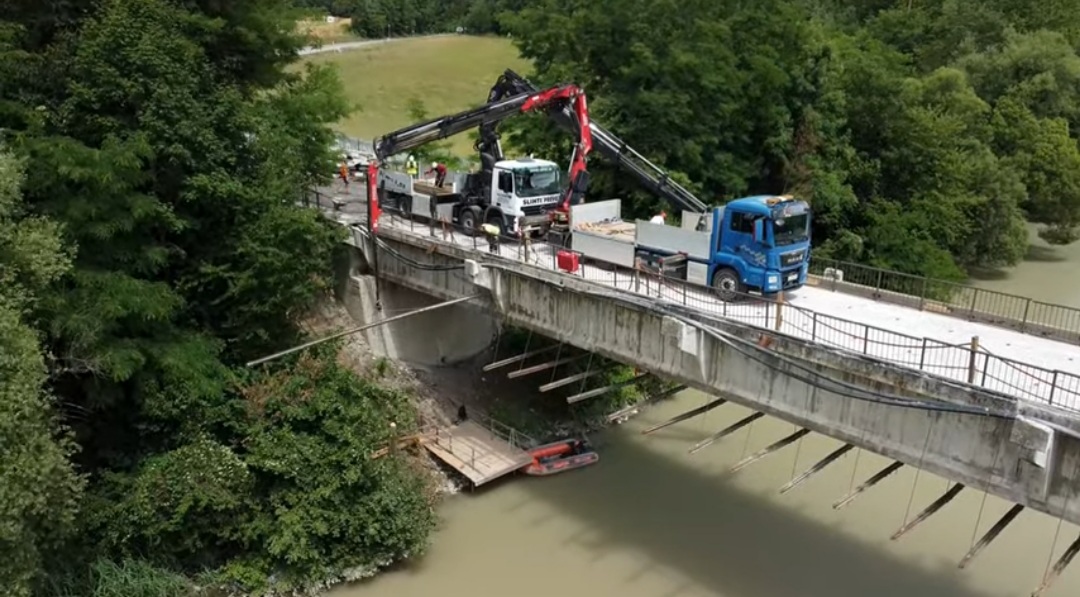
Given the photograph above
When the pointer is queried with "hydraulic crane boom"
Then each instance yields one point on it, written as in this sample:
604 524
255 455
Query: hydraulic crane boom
570 98
651 176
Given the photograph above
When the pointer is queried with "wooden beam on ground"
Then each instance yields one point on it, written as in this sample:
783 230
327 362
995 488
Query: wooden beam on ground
930 510
725 432
518 358
769 449
604 390
558 383
622 412
991 534
1058 568
872 481
817 468
544 366
690 414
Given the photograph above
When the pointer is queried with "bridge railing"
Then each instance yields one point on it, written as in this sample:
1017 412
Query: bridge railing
949 298
966 362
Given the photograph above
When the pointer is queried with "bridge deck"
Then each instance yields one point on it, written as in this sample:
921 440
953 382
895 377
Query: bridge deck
477 453
947 357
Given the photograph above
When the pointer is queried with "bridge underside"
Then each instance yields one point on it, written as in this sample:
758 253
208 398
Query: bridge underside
1030 455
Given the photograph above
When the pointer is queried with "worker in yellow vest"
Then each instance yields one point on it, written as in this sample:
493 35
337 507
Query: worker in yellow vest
411 167
492 231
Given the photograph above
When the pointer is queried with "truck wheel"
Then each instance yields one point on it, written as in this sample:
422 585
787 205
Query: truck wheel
468 221
727 285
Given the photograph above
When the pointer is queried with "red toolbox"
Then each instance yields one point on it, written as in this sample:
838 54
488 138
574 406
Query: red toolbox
567 261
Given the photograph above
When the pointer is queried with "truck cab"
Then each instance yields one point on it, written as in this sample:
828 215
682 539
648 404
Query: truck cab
524 191
760 243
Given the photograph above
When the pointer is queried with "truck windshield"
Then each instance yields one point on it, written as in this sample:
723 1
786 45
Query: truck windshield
791 230
534 182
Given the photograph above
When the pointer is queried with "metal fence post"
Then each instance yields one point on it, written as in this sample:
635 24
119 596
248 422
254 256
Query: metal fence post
866 339
922 295
1027 309
813 326
1053 385
971 309
922 354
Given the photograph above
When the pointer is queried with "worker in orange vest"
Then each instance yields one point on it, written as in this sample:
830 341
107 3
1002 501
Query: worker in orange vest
343 171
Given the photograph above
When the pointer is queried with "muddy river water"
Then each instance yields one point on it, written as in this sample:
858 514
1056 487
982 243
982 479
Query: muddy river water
650 520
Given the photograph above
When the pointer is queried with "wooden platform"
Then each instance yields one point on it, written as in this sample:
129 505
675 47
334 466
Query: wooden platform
428 188
476 452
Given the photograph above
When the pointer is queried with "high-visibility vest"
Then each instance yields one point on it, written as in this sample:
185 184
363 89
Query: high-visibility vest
411 167
491 229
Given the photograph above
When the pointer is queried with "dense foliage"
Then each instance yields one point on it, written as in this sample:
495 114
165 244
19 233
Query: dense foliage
924 133
150 243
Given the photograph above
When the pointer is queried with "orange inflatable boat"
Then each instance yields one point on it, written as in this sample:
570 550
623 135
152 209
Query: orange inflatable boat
560 456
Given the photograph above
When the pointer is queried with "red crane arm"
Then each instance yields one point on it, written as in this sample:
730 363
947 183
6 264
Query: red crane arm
579 171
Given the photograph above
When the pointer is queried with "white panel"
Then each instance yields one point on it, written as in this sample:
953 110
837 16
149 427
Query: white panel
669 238
596 212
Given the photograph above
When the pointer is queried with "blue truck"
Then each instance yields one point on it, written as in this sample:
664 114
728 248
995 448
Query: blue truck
759 243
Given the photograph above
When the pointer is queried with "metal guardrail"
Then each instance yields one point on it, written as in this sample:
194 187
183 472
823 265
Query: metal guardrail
1011 311
967 362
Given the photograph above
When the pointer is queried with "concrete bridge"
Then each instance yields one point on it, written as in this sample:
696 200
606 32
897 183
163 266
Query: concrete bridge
1023 446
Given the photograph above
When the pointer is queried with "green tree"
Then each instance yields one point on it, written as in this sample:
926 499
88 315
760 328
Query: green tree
39 489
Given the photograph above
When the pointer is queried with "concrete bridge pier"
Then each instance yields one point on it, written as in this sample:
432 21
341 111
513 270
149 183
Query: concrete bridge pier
440 338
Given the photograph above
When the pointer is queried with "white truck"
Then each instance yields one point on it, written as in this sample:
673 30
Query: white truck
516 198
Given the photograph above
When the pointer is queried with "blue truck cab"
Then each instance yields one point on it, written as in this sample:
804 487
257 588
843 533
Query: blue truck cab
759 243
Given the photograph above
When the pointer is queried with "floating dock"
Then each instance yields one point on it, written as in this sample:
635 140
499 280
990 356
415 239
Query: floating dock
477 452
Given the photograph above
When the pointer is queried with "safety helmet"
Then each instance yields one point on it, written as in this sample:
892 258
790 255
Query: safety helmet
434 164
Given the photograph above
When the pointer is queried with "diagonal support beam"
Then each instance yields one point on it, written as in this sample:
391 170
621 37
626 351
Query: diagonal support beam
872 481
769 449
1058 568
518 358
930 510
991 534
569 380
690 414
622 412
544 366
604 390
725 432
817 468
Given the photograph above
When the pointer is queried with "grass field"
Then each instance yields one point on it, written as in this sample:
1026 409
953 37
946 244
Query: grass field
447 74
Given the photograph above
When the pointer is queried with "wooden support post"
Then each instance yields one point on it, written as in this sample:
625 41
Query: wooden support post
773 447
544 366
690 414
518 358
1058 568
622 412
601 391
972 359
779 311
725 432
569 380
930 510
872 481
991 534
821 464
